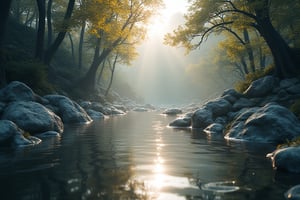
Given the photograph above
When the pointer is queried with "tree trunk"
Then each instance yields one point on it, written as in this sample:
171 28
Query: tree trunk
245 67
285 64
72 46
4 13
39 46
80 46
61 35
89 80
249 50
112 75
49 21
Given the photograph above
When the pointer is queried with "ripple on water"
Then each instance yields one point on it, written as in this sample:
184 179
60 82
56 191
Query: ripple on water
220 187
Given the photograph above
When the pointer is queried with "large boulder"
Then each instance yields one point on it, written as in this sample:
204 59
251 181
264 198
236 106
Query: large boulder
202 118
17 91
11 134
8 129
32 117
271 123
261 87
218 107
286 159
68 110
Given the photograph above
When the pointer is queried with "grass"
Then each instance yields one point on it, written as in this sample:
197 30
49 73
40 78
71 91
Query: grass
290 143
242 86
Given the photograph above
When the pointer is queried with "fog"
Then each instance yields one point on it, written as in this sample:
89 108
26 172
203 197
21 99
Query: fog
164 75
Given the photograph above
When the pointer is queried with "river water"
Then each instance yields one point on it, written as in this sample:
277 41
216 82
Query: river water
136 156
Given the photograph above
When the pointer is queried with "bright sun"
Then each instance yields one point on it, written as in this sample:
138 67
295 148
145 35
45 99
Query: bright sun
160 24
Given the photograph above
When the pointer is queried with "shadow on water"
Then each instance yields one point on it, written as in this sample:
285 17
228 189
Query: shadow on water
137 156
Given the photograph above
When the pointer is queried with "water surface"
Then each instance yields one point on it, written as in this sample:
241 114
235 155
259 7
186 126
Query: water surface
136 156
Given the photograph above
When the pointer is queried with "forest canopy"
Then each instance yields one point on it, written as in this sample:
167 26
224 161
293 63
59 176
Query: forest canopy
256 26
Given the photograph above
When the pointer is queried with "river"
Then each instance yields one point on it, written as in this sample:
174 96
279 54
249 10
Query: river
136 156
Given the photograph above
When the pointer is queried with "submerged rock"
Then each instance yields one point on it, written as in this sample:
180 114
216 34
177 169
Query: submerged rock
32 117
68 110
271 123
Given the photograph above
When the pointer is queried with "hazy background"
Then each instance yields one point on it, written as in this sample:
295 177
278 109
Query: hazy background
166 75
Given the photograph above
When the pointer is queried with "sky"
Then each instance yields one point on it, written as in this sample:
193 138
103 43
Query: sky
159 74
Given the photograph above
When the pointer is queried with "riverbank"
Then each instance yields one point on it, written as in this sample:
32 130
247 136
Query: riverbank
26 118
261 114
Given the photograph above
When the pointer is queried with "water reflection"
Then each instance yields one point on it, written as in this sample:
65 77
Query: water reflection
137 157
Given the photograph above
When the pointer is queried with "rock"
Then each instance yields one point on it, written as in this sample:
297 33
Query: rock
295 89
293 193
17 91
140 109
69 111
261 87
2 106
20 140
202 118
221 120
85 104
271 123
242 103
172 111
95 114
120 107
286 83
218 107
232 93
48 134
108 109
114 111
286 159
181 122
214 129
32 117
8 130
230 99
11 134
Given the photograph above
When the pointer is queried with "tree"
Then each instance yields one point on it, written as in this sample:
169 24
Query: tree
4 12
47 55
206 17
115 23
39 46
61 35
245 55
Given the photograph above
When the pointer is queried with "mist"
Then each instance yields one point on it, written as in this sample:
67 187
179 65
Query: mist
164 75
